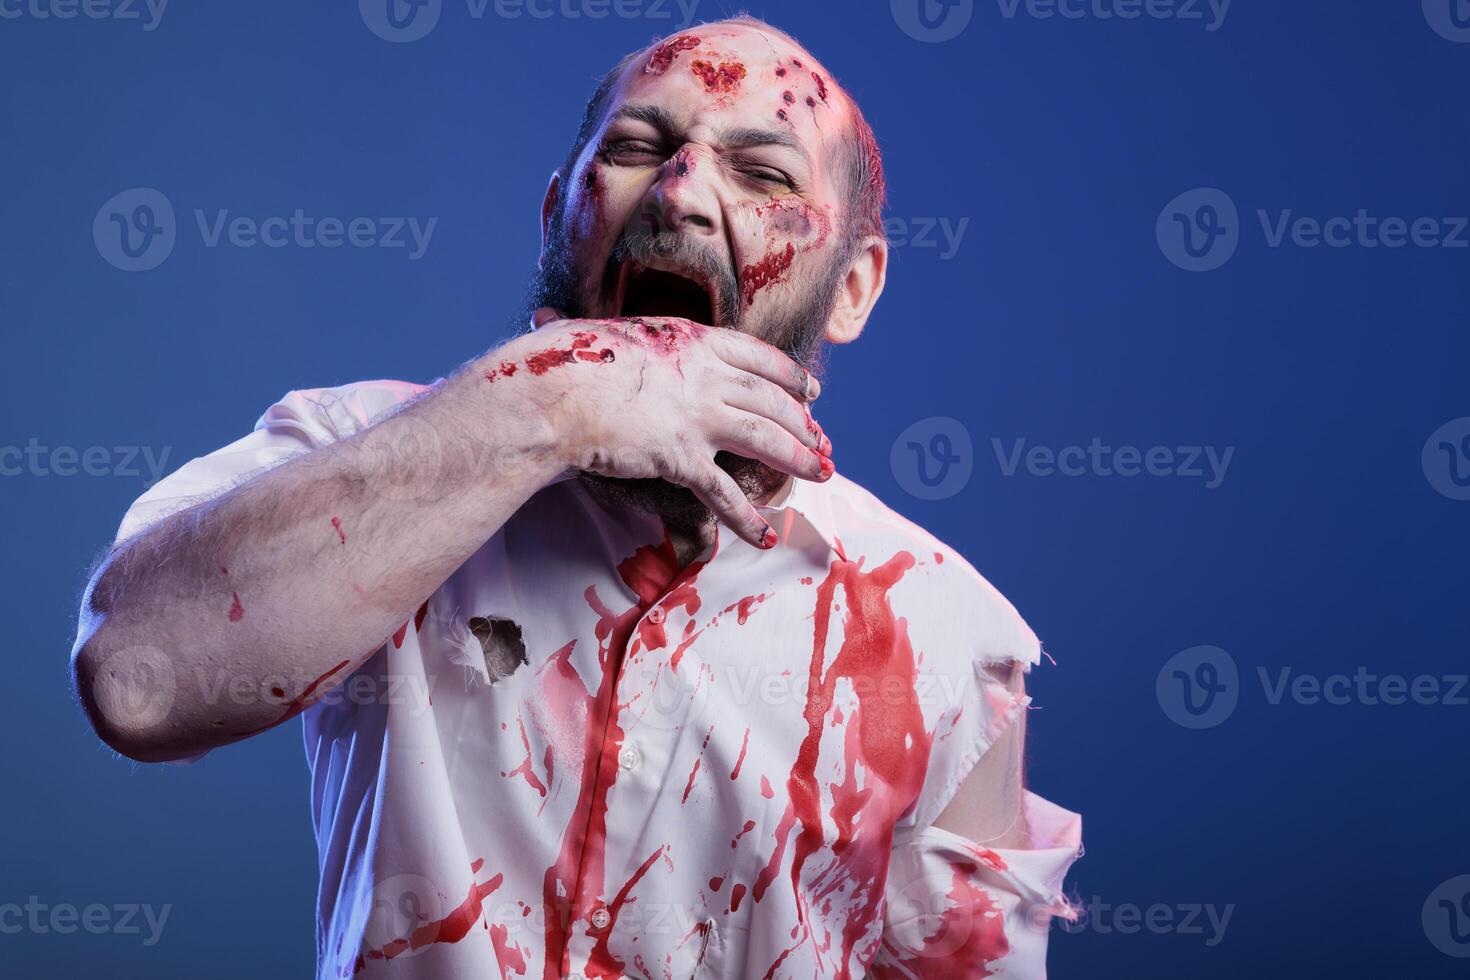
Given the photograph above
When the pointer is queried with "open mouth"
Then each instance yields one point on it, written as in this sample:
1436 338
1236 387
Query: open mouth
646 291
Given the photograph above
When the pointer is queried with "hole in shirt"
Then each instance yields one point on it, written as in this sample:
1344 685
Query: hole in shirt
500 639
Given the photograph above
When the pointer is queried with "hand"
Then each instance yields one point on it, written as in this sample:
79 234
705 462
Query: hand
645 397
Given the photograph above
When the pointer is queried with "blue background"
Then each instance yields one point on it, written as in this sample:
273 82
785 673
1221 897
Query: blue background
1058 320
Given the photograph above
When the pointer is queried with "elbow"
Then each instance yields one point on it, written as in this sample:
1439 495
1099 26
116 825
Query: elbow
128 693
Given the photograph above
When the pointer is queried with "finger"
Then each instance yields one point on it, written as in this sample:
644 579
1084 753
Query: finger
759 438
761 397
718 491
545 315
758 357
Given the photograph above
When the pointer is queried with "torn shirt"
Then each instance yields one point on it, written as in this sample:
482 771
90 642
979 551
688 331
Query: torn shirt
577 759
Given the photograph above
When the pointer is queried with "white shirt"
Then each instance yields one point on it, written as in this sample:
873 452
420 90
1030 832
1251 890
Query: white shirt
730 771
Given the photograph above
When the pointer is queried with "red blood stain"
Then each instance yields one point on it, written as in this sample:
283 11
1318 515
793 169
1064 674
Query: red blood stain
744 742
601 962
747 828
969 936
418 622
788 98
506 370
525 768
716 883
780 72
449 929
781 115
575 881
511 957
665 54
297 704
886 735
337 526
237 611
766 790
737 892
811 102
683 163
821 85
278 692
768 270
725 78
806 580
797 62
697 760
938 558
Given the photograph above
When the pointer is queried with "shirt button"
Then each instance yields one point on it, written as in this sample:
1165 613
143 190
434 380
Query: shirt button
656 615
629 757
601 918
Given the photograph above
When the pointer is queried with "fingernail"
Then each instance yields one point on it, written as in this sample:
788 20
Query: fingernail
827 468
770 539
826 446
813 387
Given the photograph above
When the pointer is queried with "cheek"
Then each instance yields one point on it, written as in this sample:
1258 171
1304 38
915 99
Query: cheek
782 232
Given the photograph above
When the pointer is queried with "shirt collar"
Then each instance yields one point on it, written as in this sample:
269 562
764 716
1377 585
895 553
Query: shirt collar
806 502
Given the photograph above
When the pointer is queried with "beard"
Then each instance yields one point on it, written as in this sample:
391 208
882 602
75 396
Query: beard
797 331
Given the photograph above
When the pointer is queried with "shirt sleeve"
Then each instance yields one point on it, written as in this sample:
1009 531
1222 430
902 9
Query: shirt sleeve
960 911
298 423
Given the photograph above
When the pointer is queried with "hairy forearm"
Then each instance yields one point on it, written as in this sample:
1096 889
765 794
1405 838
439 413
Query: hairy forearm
302 568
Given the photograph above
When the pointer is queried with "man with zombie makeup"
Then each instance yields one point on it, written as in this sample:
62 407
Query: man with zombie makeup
603 671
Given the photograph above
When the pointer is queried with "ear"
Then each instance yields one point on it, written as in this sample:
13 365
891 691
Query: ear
548 208
858 293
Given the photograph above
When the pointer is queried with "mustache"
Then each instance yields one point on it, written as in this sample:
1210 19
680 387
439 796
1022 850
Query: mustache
684 252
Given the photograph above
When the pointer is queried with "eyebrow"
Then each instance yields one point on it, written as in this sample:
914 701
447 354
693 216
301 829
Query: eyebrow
733 139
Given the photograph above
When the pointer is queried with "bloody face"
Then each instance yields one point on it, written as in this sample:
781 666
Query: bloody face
707 193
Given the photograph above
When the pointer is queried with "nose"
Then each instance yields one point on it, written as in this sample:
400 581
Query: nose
683 199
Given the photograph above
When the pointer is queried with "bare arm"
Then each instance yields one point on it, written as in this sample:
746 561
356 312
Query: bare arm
300 572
